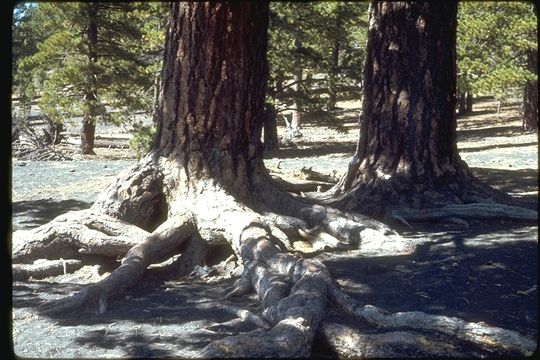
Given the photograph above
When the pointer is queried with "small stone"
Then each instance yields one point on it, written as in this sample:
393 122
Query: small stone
72 170
21 164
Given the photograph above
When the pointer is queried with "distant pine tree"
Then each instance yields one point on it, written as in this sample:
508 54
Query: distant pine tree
97 60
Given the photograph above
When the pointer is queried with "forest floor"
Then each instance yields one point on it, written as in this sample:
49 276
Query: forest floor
486 272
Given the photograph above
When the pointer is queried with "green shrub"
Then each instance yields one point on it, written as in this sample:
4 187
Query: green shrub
142 137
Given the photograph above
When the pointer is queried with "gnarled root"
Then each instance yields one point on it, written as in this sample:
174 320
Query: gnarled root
352 343
489 338
73 234
161 244
293 294
45 268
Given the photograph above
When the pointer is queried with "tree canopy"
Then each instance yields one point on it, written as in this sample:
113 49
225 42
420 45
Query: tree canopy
104 78
324 42
493 39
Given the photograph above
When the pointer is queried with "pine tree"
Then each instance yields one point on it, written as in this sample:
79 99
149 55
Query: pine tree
493 40
93 63
406 164
315 54
204 185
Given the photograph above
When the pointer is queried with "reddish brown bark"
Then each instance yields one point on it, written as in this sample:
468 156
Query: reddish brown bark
407 151
213 96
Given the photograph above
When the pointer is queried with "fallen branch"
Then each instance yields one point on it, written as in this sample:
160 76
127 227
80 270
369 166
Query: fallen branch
309 174
302 186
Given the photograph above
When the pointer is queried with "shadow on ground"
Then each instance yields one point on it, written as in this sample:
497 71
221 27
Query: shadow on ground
154 319
486 273
492 131
30 214
512 181
314 149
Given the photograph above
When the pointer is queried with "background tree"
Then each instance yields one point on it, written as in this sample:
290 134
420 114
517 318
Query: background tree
28 30
407 158
92 63
530 95
315 55
493 40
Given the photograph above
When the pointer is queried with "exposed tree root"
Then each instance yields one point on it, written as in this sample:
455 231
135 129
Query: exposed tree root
45 268
73 234
161 244
294 291
486 337
349 342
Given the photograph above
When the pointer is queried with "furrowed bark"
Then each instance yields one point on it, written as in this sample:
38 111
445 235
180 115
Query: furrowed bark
407 154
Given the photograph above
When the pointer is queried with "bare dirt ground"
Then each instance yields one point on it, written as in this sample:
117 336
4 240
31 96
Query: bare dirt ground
486 272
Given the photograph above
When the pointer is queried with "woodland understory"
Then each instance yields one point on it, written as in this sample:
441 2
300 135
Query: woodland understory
152 212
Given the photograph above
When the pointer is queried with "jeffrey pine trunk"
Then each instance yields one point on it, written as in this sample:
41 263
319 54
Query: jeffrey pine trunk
215 128
407 154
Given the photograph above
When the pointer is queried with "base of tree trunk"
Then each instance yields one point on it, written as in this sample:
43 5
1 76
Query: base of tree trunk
261 231
399 199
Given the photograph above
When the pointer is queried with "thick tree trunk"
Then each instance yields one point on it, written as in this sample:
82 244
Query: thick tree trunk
212 107
88 128
530 97
407 151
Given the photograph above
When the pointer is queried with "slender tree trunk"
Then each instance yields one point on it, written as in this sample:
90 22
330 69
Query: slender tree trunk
468 103
271 141
155 105
462 107
336 48
530 97
407 151
296 120
88 128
